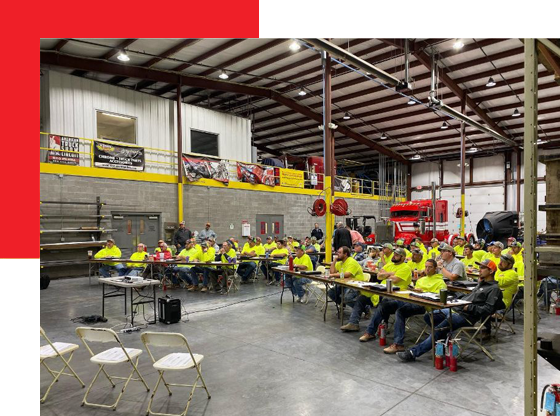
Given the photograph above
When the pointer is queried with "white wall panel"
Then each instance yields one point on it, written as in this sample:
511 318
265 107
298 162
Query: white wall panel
488 168
451 172
423 174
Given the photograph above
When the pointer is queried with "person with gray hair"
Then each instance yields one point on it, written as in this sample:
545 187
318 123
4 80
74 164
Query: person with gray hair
226 254
451 267
205 234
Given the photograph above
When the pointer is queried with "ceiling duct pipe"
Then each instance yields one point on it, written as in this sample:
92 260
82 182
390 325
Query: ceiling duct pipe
405 84
353 60
433 72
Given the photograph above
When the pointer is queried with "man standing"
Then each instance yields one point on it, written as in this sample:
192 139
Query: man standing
317 232
206 233
110 251
450 267
182 235
486 298
356 236
342 238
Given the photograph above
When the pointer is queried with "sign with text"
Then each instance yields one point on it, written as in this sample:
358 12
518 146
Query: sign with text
112 156
291 178
61 150
197 168
255 174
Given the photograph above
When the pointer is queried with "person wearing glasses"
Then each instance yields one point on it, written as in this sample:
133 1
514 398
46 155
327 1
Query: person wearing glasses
451 267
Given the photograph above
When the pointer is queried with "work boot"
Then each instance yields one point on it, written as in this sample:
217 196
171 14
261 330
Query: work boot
304 298
406 356
350 327
204 289
366 337
393 349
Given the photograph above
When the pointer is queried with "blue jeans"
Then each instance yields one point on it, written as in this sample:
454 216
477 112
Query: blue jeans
441 329
361 305
350 295
401 315
105 269
195 271
132 271
297 285
270 266
184 274
245 269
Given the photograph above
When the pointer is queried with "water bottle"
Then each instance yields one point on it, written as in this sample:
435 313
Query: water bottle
389 284
291 263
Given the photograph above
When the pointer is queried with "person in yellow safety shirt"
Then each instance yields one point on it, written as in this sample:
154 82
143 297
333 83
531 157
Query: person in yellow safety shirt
195 244
469 261
292 244
270 245
417 262
516 251
248 266
400 244
107 252
234 243
399 273
225 255
419 244
302 262
479 253
460 245
207 255
507 278
511 243
280 257
136 269
345 267
434 250
495 251
519 267
386 254
188 254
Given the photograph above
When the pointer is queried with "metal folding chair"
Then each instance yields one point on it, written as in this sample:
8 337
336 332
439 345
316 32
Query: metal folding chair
179 361
58 350
475 330
499 319
112 356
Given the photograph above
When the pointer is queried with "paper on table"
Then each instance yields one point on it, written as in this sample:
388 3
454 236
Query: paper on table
404 292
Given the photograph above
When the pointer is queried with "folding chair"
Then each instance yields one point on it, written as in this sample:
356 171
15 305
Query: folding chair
178 361
317 289
476 330
112 356
232 282
54 350
499 319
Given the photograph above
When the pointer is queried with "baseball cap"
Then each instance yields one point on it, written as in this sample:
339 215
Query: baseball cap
415 244
517 244
499 244
182 222
481 241
376 248
204 244
511 240
389 246
416 251
460 237
489 264
446 247
508 257
111 240
434 240
269 238
208 224
400 242
400 252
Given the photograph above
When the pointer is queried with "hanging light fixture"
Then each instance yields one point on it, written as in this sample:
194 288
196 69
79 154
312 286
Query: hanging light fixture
458 44
346 116
516 113
295 46
416 157
223 75
383 136
302 92
123 56
491 82
411 101
473 149
541 141
444 126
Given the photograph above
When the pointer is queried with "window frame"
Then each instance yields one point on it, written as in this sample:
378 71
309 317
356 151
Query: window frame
133 118
205 132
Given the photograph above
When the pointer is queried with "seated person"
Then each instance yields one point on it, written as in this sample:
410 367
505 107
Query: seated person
387 254
459 244
478 250
270 245
226 254
469 261
207 255
311 250
494 251
136 269
511 241
450 267
358 253
434 250
110 251
301 262
417 262
507 278
279 256
432 283
247 266
188 254
419 244
162 248
486 298
398 272
372 259
292 244
345 267
400 244
516 251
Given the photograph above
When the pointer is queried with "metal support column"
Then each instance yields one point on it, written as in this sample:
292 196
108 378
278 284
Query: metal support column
179 157
463 161
530 208
328 150
518 180
507 177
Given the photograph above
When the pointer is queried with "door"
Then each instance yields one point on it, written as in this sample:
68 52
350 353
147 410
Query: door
270 225
131 229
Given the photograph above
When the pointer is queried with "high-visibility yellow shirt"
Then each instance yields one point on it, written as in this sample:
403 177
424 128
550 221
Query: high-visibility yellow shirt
231 253
259 249
109 252
519 267
247 249
431 284
418 266
387 259
269 247
209 255
192 254
490 256
137 256
317 246
434 251
459 250
508 282
422 248
402 271
470 262
352 266
277 251
304 260
479 255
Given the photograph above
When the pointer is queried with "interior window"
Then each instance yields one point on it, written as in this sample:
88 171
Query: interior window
116 127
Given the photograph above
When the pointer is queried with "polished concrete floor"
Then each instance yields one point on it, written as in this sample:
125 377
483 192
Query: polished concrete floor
263 358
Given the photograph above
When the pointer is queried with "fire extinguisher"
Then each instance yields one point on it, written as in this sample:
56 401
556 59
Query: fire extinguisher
382 334
551 399
440 352
291 263
453 353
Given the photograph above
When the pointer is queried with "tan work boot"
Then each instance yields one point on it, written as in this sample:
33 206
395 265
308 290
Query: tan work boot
393 349
366 337
350 327
204 289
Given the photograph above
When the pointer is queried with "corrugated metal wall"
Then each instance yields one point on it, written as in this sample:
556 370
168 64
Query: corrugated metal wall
73 103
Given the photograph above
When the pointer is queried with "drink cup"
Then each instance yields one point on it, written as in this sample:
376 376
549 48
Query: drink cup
90 254
161 255
443 296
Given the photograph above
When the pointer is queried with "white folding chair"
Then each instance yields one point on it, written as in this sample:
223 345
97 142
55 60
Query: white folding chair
178 361
471 339
54 350
112 356
317 289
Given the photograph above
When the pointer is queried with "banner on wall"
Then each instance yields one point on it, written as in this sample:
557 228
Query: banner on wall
112 156
61 148
292 178
255 174
341 185
196 168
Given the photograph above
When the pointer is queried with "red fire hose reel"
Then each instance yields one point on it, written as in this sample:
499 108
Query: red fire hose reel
319 208
339 208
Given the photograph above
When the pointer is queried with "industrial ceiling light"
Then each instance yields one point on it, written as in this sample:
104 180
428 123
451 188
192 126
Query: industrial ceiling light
411 101
473 149
302 92
459 165
346 116
123 56
383 136
458 44
444 126
491 82
416 157
541 141
516 113
223 75
295 46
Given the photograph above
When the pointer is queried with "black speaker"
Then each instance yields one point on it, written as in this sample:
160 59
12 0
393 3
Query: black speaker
498 226
169 310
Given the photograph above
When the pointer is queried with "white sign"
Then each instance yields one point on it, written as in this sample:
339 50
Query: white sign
313 179
245 229
231 226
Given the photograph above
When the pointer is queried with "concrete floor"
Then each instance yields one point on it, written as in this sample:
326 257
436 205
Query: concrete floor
263 358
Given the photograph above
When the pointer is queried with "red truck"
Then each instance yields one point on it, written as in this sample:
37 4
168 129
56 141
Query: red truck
405 214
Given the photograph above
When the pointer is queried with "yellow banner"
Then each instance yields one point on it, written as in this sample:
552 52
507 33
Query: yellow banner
291 178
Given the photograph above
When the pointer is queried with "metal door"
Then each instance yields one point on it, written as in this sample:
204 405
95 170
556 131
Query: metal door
131 229
270 225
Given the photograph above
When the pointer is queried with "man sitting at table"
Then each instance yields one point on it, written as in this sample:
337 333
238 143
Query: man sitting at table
431 283
162 248
450 267
387 254
495 251
417 242
372 258
358 253
417 262
225 255
397 271
279 257
469 261
345 267
507 278
478 250
206 255
270 245
136 269
434 251
246 267
400 244
110 251
292 244
188 254
311 250
485 299
301 262
460 246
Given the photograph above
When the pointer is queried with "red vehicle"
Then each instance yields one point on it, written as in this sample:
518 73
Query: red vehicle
405 214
